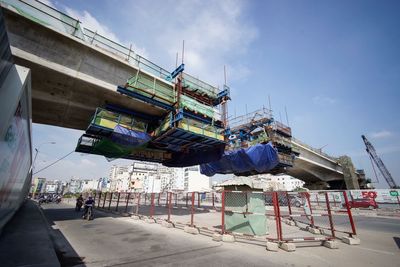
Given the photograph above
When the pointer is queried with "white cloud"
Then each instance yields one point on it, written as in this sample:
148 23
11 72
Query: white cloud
90 22
88 163
324 100
216 33
48 2
381 134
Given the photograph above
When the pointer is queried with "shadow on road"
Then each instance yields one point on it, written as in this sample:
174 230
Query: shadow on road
66 254
397 241
62 213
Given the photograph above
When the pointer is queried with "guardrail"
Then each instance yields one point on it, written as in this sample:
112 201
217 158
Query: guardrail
318 151
50 17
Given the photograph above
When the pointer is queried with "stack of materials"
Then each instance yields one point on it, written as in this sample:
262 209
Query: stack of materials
189 132
257 144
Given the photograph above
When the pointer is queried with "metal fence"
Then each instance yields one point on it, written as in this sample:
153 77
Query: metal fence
260 216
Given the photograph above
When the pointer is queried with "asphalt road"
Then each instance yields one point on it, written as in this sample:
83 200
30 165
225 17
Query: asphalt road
111 240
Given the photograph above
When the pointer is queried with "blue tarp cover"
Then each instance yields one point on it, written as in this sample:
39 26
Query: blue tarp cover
260 158
129 138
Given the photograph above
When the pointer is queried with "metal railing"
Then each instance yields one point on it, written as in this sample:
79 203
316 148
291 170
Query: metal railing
50 17
318 151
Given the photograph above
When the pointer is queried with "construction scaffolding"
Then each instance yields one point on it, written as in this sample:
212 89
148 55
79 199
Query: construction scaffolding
256 144
191 124
191 114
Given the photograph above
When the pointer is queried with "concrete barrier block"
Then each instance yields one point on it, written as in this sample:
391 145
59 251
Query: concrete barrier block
191 230
167 224
228 238
314 231
351 240
149 220
291 223
272 246
212 210
331 244
217 237
288 247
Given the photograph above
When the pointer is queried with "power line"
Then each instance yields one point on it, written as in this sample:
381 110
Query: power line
51 164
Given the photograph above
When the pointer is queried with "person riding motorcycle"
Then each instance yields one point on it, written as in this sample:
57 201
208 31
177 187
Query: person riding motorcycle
89 204
79 203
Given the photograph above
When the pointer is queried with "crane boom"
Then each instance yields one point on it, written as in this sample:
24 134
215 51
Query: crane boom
379 163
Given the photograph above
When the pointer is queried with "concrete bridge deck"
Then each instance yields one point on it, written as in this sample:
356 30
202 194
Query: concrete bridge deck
72 76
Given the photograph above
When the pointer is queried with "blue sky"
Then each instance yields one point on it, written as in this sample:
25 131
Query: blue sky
335 66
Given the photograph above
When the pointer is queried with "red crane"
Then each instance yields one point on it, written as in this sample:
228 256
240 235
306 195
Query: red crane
379 163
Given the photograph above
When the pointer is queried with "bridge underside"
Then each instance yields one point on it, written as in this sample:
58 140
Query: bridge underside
69 78
315 176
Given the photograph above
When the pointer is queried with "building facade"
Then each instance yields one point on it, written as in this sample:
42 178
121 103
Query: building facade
194 181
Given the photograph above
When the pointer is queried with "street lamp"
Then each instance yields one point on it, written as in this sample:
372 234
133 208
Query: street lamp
34 159
37 151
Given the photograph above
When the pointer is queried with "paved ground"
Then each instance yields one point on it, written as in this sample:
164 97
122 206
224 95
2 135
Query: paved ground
110 240
25 240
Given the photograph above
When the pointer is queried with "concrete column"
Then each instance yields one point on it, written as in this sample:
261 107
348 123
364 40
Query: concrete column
349 173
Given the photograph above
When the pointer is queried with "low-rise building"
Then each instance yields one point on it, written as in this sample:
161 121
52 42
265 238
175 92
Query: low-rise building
194 181
89 185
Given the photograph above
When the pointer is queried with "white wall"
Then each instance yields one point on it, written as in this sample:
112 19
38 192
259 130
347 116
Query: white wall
88 185
194 181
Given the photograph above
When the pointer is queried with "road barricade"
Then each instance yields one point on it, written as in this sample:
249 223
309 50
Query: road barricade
287 216
280 217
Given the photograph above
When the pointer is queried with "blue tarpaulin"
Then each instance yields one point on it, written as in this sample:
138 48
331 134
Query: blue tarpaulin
260 158
129 138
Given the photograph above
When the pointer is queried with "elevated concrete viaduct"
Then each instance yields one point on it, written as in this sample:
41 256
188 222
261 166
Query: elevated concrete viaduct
72 75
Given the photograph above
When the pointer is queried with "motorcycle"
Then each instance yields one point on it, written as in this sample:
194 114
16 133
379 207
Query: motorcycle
89 213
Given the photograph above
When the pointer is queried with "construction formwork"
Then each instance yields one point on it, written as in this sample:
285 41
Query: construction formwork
260 127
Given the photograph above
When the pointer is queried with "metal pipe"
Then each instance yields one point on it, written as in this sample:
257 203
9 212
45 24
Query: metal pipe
127 202
223 213
309 205
275 205
104 200
109 203
119 195
169 206
192 211
288 200
152 206
98 203
328 206
138 204
353 227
